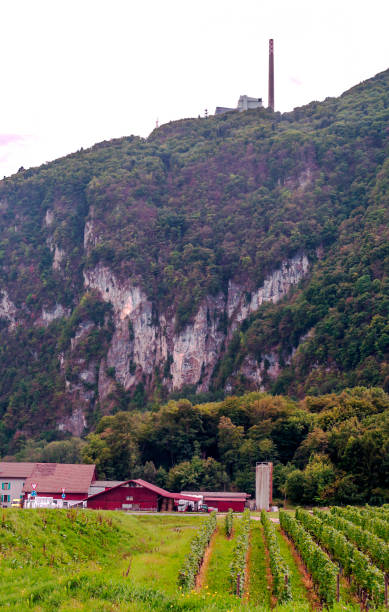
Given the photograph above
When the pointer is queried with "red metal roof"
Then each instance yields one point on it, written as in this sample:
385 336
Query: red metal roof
52 477
15 470
150 487
163 492
225 499
219 494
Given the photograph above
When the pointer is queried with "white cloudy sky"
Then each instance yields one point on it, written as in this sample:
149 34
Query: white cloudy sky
76 72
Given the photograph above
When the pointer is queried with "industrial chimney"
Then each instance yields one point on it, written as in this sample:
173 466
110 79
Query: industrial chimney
271 74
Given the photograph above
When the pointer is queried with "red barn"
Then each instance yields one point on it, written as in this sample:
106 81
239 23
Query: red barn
136 495
222 500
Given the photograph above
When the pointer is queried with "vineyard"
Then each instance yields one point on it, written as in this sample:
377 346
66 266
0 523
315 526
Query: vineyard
336 559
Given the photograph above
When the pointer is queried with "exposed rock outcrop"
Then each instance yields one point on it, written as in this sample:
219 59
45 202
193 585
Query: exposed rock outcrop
59 255
50 314
7 308
267 369
75 423
143 343
240 304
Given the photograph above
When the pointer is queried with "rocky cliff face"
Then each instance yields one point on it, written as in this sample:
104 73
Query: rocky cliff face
7 308
145 342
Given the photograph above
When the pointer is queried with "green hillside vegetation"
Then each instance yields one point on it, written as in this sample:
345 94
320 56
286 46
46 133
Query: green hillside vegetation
327 449
199 203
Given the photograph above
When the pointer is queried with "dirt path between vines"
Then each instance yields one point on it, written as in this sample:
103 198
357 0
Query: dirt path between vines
204 565
312 596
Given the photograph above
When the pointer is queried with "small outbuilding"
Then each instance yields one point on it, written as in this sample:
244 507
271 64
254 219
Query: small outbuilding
137 495
222 500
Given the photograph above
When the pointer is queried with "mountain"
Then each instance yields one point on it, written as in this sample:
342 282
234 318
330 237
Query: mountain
244 251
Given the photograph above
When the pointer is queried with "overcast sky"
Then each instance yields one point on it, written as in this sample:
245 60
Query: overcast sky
76 72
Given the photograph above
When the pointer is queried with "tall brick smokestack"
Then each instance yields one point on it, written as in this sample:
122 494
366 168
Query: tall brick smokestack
271 74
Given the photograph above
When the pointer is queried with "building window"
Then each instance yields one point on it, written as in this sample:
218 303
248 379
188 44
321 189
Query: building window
5 486
5 498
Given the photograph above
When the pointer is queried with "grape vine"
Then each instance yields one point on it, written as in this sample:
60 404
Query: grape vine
238 564
323 570
376 548
366 577
228 522
189 570
376 525
279 569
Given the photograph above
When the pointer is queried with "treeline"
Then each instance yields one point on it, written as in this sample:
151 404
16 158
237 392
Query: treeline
327 449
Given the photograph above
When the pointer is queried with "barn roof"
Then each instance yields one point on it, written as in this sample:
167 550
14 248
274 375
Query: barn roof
219 494
52 477
163 492
10 469
106 483
226 499
150 487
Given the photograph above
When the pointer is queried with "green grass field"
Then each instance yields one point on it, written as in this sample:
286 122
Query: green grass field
110 561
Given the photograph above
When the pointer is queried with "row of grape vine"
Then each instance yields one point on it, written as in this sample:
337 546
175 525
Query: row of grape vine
189 570
279 570
368 579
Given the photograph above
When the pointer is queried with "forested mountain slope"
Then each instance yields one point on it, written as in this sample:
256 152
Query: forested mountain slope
241 251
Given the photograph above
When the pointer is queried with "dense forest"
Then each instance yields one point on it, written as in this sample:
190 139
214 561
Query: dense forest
197 206
325 449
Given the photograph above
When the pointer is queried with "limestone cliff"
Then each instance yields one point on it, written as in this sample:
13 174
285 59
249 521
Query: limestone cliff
144 342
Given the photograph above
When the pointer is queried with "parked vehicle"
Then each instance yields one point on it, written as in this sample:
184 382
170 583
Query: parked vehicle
185 505
205 508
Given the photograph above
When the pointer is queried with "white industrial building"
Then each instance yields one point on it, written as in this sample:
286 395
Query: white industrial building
244 103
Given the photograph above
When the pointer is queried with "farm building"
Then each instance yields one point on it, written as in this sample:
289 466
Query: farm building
136 495
52 480
222 500
12 479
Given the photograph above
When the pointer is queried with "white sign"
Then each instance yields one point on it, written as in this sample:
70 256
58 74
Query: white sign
33 485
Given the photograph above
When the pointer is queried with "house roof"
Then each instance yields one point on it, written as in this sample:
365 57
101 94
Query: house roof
15 469
52 477
150 487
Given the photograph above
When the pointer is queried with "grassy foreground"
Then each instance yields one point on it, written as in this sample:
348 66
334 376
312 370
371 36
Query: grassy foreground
109 561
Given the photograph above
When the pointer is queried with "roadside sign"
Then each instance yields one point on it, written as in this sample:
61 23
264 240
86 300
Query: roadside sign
33 485
63 495
33 493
